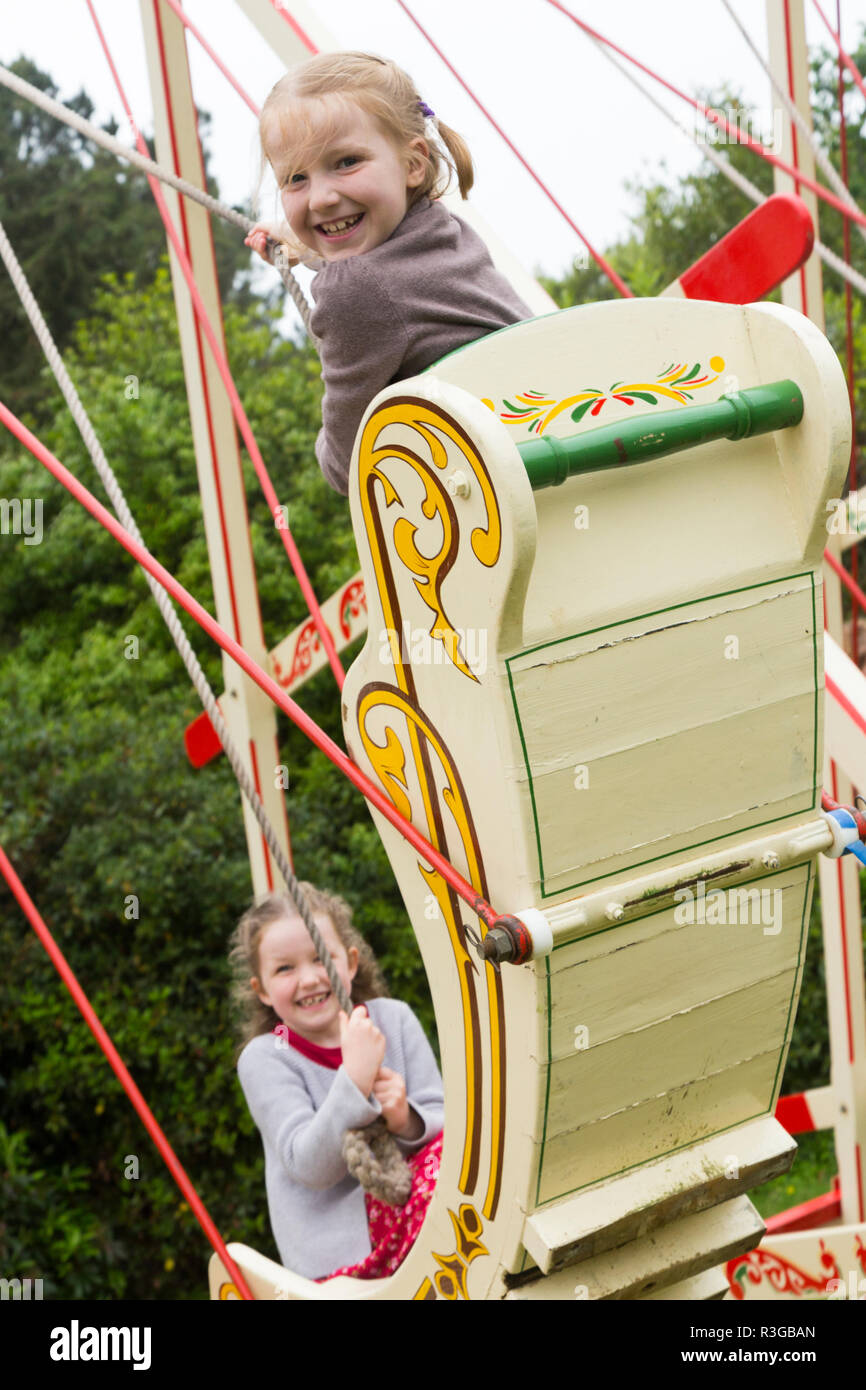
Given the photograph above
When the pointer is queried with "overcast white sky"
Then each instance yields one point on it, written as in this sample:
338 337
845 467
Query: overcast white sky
586 130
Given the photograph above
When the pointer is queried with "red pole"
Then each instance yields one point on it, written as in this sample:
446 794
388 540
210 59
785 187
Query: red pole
718 119
117 1066
307 725
608 269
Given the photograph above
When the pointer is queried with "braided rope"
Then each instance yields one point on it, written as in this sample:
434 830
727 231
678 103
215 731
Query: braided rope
371 1153
166 608
149 166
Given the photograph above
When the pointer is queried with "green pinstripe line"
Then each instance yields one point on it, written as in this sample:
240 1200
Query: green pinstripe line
815 679
526 765
795 993
547 1092
671 608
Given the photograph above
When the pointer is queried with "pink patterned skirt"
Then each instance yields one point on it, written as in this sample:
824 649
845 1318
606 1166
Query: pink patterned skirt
394 1230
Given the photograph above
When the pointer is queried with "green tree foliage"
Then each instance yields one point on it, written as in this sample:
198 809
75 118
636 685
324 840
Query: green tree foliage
73 212
674 224
101 805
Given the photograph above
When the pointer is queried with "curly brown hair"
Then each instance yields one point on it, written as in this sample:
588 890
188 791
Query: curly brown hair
256 1017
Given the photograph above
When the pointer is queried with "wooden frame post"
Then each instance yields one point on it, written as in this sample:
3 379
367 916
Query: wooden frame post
839 879
249 715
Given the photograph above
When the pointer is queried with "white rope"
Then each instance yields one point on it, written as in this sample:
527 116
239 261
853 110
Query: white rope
371 1153
724 165
166 608
149 166
802 124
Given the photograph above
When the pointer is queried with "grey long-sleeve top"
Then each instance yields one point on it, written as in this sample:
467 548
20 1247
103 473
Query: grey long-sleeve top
394 311
303 1109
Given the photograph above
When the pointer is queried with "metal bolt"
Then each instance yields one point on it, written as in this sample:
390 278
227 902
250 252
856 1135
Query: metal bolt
458 484
770 860
614 912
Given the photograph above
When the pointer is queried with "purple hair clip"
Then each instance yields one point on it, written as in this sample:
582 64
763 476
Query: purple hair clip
425 110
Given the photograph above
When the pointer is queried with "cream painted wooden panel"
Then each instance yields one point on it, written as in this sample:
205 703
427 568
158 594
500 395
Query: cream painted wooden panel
608 1215
659 1126
704 1041
629 976
449 533
690 699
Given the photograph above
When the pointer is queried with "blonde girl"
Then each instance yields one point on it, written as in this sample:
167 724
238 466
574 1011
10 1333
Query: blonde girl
310 1074
361 162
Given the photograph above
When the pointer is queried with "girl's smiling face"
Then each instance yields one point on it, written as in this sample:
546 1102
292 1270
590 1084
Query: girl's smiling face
352 191
294 983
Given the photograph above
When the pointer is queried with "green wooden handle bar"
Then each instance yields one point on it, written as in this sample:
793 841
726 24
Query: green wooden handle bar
758 410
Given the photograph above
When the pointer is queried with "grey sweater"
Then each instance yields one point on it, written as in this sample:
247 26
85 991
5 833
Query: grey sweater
318 1214
393 311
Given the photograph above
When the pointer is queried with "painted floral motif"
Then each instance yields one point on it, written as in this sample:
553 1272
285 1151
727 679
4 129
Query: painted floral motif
783 1276
307 644
353 602
677 382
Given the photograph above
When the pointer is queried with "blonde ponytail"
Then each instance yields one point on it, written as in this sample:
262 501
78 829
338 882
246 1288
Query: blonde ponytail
461 159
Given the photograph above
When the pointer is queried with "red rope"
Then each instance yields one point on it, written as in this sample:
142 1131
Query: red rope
114 1060
842 54
188 24
718 118
265 682
596 255
223 368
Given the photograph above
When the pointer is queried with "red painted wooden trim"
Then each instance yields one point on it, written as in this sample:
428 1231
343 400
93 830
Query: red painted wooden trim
254 763
201 740
794 1114
219 334
842 699
215 58
756 255
818 1211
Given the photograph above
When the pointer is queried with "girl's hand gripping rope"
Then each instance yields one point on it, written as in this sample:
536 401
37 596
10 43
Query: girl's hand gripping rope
389 1088
267 242
363 1047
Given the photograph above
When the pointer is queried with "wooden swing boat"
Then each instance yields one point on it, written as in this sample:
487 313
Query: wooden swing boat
602 702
